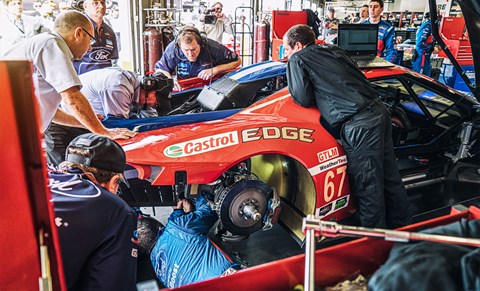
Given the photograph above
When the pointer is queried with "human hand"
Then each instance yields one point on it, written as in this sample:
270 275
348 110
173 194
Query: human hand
187 206
120 133
99 116
207 74
179 204
176 85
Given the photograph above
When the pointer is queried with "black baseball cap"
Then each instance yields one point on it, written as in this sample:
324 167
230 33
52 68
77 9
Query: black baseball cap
102 153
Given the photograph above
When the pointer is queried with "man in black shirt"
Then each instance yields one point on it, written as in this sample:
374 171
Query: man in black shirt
95 227
327 77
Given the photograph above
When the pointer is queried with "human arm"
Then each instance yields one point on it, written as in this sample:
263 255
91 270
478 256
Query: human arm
424 40
299 85
199 220
83 112
389 42
209 73
222 59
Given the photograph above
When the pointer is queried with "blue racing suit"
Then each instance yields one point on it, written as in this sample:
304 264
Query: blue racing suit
386 41
424 48
211 55
183 254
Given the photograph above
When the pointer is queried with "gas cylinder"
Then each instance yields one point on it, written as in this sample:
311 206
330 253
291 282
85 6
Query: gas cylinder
152 48
261 41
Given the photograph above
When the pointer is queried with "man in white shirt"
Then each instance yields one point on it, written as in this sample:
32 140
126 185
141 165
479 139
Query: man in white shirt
15 27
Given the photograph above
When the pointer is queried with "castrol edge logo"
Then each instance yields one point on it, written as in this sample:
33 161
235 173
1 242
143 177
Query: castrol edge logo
202 145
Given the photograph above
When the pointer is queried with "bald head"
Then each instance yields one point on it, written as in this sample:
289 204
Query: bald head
67 21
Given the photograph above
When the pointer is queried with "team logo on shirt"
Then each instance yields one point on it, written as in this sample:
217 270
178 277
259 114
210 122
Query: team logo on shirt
100 55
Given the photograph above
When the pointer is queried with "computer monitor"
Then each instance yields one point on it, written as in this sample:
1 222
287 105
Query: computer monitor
358 39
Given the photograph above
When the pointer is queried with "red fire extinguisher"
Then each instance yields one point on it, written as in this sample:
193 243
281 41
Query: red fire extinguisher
261 41
152 48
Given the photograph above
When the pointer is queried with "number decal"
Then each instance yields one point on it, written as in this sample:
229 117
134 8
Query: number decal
329 187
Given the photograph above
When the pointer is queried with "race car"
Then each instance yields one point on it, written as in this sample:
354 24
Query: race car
274 150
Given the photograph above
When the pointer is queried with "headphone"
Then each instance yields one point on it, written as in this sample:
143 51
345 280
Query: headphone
156 82
201 39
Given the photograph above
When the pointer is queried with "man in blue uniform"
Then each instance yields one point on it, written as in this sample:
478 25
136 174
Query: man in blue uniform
105 49
423 47
326 77
192 55
181 252
386 32
95 227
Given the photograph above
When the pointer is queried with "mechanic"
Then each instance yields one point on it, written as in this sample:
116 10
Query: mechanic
424 46
222 24
14 26
104 50
95 227
386 31
192 55
56 79
355 115
181 253
112 92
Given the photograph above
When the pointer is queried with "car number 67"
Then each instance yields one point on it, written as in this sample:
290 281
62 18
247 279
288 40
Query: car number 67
329 188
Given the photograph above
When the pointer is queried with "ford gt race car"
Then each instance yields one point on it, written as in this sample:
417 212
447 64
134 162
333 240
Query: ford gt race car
276 155
276 151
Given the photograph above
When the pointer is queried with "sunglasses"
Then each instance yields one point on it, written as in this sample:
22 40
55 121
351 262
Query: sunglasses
218 9
93 40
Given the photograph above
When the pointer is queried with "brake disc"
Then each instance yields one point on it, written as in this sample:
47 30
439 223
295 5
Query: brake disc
243 206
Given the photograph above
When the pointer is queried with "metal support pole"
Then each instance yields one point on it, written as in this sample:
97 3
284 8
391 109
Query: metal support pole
309 279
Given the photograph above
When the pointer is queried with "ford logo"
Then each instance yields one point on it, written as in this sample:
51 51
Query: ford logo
100 55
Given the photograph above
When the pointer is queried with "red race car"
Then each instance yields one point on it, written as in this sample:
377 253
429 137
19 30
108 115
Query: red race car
275 151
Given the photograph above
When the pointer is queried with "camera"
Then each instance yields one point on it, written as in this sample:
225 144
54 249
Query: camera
77 5
209 17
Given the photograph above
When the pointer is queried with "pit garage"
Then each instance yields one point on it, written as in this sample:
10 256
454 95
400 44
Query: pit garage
226 181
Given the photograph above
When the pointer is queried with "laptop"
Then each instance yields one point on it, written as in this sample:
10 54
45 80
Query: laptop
360 42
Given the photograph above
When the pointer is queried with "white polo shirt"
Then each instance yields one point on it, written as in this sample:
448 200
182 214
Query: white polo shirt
53 70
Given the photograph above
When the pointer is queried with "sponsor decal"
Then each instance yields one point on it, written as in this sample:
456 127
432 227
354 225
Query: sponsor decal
325 166
202 145
322 211
340 203
332 207
328 154
273 132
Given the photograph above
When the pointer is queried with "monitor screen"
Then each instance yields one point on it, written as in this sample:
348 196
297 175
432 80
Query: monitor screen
358 38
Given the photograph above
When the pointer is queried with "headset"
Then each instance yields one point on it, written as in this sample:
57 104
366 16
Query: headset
156 82
201 39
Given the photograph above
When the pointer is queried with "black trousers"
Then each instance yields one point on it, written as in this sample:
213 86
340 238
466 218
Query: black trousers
57 139
374 178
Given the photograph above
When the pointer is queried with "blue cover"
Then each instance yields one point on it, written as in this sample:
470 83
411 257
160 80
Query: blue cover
183 253
259 71
147 124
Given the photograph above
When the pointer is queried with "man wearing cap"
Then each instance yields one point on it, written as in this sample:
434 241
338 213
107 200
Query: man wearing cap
331 23
96 227
112 92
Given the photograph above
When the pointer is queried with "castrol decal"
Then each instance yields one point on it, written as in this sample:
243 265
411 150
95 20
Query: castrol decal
202 145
